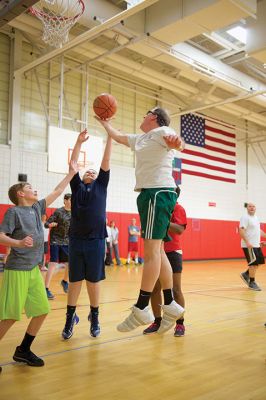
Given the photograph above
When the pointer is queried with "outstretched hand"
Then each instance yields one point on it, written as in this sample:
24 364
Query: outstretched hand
173 142
83 136
103 122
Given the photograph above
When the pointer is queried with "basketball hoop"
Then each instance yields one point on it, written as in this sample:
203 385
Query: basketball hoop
57 17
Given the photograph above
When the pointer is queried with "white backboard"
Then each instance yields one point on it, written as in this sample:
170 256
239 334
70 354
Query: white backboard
60 146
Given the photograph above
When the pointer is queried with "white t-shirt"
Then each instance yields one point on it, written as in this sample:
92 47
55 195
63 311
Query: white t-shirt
45 233
252 226
109 237
153 159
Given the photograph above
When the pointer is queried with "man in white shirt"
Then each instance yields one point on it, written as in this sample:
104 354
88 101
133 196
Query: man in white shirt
156 202
250 232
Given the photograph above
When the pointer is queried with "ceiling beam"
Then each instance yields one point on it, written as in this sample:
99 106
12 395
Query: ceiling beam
86 36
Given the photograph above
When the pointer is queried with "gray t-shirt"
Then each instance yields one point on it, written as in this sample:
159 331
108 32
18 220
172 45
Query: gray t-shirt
19 222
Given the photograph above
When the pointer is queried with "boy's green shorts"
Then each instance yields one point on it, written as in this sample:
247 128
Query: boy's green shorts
155 208
23 290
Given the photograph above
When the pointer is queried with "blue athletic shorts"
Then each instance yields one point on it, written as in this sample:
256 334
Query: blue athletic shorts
58 253
86 260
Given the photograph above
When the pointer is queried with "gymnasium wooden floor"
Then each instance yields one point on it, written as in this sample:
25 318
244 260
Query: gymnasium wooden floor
221 357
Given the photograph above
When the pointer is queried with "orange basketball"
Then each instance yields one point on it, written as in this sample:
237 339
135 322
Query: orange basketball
105 106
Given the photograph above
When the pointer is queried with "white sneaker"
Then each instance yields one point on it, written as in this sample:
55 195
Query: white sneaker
136 318
171 313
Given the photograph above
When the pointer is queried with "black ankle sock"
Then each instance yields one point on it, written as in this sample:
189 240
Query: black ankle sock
64 281
180 321
168 296
71 310
247 272
158 320
94 309
26 342
251 279
143 300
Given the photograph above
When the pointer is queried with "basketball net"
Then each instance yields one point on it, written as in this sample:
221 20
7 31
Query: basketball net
57 17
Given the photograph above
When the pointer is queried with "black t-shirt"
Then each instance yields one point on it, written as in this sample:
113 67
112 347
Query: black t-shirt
88 207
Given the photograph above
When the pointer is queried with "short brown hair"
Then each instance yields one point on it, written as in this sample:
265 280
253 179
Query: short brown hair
14 189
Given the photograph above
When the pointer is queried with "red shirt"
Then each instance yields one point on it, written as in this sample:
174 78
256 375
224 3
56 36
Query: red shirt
178 217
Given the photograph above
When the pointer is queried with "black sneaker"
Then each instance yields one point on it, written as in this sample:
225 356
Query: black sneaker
95 327
245 277
64 285
153 328
49 294
27 357
253 286
71 320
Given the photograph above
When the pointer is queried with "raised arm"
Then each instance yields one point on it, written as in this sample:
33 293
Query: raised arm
82 137
114 133
105 165
58 190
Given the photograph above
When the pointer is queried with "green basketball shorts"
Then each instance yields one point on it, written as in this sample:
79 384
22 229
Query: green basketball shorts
23 290
155 208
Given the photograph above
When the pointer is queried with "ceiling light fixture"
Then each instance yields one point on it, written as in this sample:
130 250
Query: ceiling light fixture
239 33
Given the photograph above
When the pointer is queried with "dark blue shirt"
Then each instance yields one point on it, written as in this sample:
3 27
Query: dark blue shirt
88 207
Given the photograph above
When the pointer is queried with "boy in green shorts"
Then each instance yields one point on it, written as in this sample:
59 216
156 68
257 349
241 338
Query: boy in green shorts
22 285
156 203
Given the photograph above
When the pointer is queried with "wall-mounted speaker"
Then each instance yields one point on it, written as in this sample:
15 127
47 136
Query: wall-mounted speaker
22 177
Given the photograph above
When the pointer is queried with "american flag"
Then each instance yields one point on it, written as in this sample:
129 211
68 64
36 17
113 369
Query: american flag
210 148
177 171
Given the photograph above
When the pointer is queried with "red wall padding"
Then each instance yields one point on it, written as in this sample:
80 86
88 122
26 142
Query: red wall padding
203 239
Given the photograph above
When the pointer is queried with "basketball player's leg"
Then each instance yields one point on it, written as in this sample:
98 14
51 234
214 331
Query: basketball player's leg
76 276
63 258
95 273
156 301
250 274
155 208
54 258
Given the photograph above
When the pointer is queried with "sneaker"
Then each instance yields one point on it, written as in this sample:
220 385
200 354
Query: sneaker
0 370
245 277
171 313
136 318
50 295
69 326
254 286
64 285
27 357
95 327
153 328
179 330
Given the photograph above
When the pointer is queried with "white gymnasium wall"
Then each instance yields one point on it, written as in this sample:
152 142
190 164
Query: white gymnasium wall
196 193
4 86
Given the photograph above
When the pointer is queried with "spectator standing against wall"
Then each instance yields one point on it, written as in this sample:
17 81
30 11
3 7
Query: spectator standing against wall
114 240
133 241
108 241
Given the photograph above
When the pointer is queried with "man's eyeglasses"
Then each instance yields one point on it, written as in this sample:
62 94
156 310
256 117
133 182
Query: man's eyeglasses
160 120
